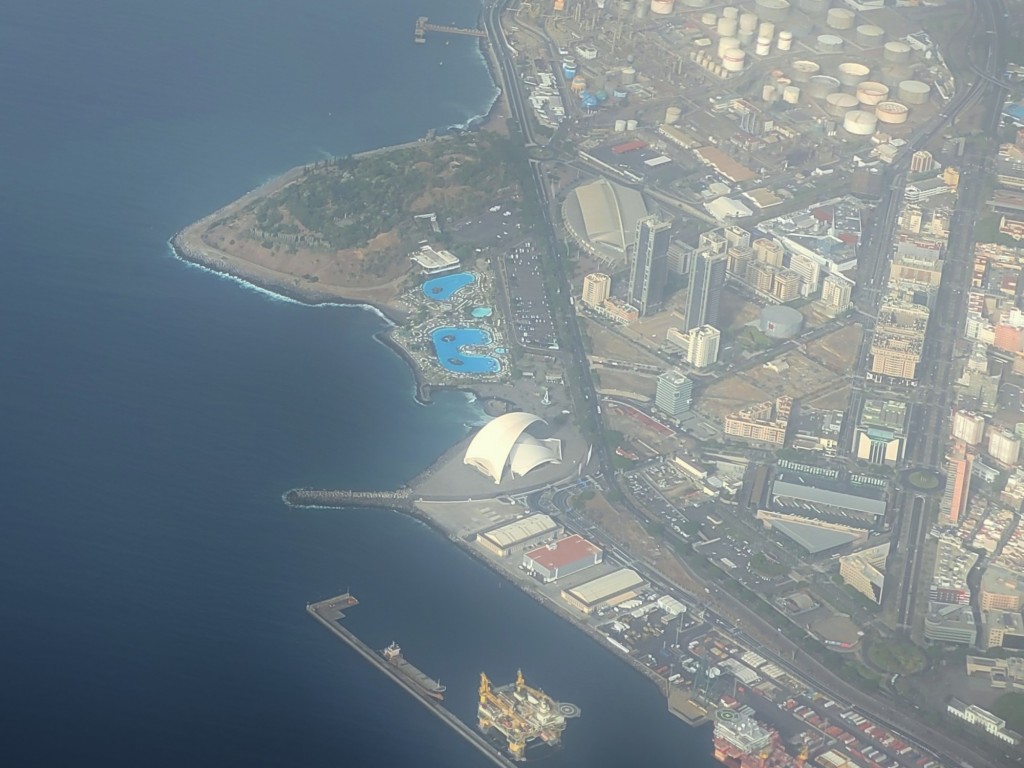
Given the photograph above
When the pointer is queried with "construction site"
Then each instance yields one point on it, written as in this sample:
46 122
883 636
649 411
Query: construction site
521 715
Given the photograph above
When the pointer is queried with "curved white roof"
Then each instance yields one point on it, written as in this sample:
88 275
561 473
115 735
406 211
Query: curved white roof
494 444
605 214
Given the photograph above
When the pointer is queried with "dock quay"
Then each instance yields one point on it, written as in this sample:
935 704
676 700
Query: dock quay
337 498
423 26
329 612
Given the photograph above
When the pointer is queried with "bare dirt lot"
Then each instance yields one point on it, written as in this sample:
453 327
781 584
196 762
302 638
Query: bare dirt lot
610 345
728 395
611 380
838 350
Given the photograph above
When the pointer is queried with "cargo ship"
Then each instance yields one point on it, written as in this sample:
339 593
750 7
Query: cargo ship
393 656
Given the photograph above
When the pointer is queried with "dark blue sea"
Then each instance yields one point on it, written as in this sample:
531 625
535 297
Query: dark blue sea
153 585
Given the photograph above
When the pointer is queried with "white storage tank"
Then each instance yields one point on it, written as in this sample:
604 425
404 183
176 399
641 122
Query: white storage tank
860 123
804 70
764 46
731 12
820 86
896 52
852 74
708 19
829 43
748 22
785 41
620 126
891 112
628 76
733 60
631 125
777 321
870 36
840 18
672 115
791 94
838 104
870 93
914 92
726 27
772 10
696 3
662 7
727 44
768 93
766 29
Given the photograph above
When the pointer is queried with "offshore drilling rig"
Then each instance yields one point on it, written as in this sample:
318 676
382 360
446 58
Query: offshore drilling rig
522 714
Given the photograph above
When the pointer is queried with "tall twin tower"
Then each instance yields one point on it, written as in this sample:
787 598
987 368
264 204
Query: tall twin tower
649 274
650 265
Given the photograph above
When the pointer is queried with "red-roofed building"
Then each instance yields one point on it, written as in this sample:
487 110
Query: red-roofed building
561 558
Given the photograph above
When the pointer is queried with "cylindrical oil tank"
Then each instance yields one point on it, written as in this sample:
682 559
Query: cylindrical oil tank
628 76
785 41
820 86
733 60
766 29
726 27
791 94
716 70
768 93
708 19
838 104
631 125
860 123
620 126
696 3
870 93
746 38
840 18
727 44
782 82
896 52
891 112
829 43
914 92
579 84
764 46
813 7
662 7
731 12
748 22
772 10
777 321
870 36
804 70
619 95
672 115
852 74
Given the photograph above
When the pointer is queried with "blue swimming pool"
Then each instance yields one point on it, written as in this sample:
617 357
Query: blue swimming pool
482 312
448 344
444 287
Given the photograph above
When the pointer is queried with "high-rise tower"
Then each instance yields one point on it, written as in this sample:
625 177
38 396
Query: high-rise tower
707 277
650 265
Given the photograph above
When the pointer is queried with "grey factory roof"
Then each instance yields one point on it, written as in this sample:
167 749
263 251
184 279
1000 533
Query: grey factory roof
607 586
523 529
838 499
812 537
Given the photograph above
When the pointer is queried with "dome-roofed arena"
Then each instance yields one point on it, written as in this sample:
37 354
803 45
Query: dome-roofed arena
504 442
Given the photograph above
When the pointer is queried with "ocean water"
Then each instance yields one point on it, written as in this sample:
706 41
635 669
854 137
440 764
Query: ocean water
154 584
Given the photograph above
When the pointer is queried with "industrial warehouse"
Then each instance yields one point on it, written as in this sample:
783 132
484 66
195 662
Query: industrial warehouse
562 558
610 589
511 538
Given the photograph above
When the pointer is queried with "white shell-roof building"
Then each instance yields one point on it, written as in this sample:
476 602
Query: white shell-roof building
503 441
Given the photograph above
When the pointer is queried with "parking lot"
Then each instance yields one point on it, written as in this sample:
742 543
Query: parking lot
532 323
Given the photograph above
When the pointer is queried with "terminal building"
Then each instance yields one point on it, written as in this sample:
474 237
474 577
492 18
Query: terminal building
519 535
560 558
611 589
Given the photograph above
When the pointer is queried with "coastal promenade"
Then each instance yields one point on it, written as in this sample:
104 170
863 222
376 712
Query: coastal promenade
329 613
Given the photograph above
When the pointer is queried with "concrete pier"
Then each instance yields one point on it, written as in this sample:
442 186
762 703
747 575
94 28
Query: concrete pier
329 612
